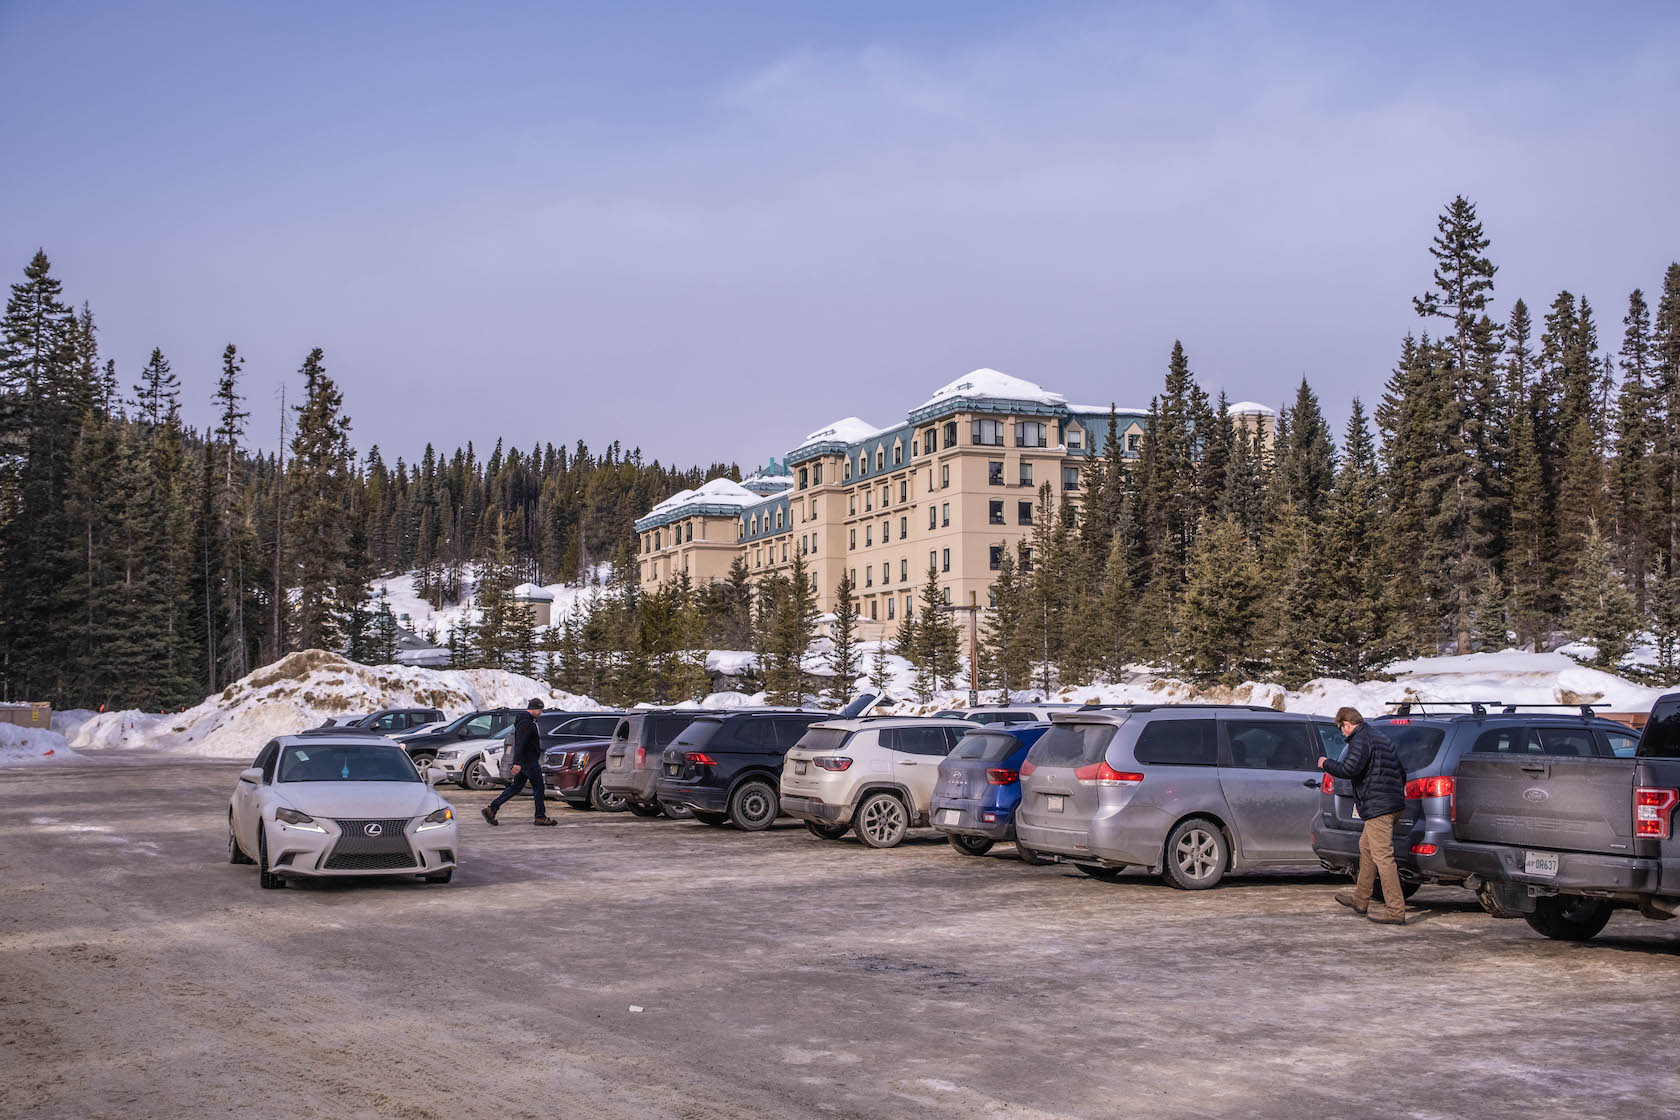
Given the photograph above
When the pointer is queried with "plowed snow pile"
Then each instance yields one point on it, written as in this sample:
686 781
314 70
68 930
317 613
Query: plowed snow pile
31 746
300 691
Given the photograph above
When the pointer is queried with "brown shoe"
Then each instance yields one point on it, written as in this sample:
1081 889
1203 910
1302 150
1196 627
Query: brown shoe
1346 899
489 814
545 821
1384 918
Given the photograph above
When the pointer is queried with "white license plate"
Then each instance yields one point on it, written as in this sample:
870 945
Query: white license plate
799 767
1355 812
1054 803
950 816
1544 864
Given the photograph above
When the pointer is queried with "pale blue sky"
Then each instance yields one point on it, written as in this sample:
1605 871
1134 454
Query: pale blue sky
709 229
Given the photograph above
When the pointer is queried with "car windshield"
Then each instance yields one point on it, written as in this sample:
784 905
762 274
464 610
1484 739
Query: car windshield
985 748
346 763
1072 744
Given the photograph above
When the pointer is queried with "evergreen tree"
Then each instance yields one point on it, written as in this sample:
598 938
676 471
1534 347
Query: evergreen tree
1356 617
1601 610
318 485
382 644
880 670
1221 606
844 659
1005 652
1632 481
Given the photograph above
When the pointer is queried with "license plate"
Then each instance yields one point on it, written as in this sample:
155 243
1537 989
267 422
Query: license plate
670 768
799 767
950 816
1544 864
1054 804
1355 811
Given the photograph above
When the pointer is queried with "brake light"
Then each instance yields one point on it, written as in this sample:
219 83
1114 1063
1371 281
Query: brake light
999 776
1424 849
833 762
1027 768
1419 788
641 757
1653 811
700 758
1327 784
1102 774
1398 722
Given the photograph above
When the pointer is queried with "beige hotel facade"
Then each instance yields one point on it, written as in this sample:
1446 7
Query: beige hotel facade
950 486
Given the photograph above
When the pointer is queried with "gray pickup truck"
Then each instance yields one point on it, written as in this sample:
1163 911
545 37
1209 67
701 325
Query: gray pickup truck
1563 840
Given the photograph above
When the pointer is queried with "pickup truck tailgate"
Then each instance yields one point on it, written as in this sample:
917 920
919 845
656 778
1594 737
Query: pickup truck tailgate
1558 803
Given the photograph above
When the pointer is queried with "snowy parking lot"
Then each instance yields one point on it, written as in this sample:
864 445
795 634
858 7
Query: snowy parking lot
776 975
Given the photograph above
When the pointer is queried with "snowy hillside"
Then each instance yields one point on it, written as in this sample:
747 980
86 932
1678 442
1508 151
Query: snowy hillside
300 691
404 600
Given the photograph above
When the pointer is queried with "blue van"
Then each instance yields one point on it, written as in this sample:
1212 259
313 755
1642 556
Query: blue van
979 785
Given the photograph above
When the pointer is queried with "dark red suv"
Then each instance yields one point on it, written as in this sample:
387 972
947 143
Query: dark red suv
572 770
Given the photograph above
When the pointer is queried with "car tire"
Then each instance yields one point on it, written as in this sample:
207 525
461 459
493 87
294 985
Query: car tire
971 845
236 854
440 876
1196 855
882 821
604 801
423 760
826 831
1569 918
1101 874
1028 856
676 812
641 810
713 820
754 806
477 775
265 878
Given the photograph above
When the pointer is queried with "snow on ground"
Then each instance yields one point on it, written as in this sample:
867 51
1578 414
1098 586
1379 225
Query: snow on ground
33 746
405 600
300 691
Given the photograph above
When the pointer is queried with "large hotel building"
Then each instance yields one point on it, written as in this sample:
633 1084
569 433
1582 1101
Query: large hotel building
951 486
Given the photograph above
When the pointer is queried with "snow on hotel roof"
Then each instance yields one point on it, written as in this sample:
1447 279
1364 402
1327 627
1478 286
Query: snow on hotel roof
717 492
850 430
991 383
1247 407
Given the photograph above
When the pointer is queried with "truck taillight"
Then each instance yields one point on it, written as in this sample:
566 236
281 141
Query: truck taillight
1000 776
1419 788
700 758
833 762
1102 774
1653 811
1327 784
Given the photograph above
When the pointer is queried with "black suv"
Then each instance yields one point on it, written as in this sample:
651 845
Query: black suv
727 767
391 721
483 724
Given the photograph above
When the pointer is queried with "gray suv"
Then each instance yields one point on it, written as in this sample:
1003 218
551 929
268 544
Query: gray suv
1188 792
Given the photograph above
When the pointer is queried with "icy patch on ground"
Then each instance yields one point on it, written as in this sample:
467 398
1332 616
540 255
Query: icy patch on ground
33 746
300 691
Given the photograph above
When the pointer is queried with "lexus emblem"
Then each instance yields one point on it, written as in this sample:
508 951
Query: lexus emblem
374 828
1535 795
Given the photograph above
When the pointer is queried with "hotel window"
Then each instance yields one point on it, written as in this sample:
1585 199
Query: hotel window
898 453
995 559
991 597
852 575
994 472
951 434
945 594
886 495
933 559
852 542
1132 441
1030 433
904 489
945 560
811 581
933 518
945 514
689 535
853 501
1075 441
869 575
930 440
813 509
863 463
1026 473
813 544
804 477
944 475
909 606
903 528
1070 478
758 558
886 572
872 609
816 477
891 603
846 471
880 458
868 500
903 568
1026 559
988 433
784 552
994 514
868 535
779 521
755 525
915 448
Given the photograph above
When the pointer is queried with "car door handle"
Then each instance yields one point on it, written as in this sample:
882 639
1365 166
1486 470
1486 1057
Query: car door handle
1311 782
907 762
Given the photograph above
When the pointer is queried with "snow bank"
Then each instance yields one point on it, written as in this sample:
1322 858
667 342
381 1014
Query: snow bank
33 746
300 691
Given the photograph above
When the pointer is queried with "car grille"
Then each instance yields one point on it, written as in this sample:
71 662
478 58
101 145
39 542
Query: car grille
357 851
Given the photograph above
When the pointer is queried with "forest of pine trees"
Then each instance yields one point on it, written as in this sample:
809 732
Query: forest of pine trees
145 563
1517 483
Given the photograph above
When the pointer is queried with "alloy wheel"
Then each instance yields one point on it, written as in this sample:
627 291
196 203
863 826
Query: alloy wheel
1197 854
884 822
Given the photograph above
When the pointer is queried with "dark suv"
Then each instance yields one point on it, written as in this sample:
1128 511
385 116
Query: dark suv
559 730
727 767
393 721
1430 746
484 724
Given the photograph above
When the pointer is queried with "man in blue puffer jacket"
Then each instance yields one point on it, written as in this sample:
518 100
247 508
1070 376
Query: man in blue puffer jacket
1379 789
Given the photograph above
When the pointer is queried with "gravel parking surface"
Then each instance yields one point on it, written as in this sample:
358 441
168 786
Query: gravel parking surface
142 975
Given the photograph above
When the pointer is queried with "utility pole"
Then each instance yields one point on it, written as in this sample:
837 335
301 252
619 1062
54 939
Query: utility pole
973 612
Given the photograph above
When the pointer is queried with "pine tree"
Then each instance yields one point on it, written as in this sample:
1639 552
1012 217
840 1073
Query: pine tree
1600 608
793 626
1665 390
1113 622
1528 549
382 645
1005 651
234 540
1221 606
1632 481
1463 275
1306 457
844 659
880 670
935 656
318 484
1356 619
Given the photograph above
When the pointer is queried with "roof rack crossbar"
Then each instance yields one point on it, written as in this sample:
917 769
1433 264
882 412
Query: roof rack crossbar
1481 707
1147 706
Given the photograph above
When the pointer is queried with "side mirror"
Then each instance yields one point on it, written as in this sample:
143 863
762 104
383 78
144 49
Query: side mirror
251 774
435 774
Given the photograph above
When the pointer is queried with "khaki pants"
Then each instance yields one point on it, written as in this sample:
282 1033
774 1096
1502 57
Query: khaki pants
1376 857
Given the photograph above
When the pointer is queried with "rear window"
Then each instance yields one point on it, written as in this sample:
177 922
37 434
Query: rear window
1416 746
1662 734
698 733
1178 742
823 739
667 728
1072 744
1002 717
1564 742
982 747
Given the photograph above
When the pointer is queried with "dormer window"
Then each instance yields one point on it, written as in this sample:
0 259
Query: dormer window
898 452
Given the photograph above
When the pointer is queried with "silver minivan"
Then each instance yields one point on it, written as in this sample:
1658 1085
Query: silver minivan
1188 792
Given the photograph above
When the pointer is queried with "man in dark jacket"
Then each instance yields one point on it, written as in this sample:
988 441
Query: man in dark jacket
526 748
1379 790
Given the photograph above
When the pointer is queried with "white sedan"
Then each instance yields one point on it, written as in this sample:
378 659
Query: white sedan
333 804
476 763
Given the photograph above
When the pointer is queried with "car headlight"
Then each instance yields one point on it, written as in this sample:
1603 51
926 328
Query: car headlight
297 820
448 754
437 820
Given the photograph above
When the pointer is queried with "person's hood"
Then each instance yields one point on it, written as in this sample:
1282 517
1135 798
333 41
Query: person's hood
356 800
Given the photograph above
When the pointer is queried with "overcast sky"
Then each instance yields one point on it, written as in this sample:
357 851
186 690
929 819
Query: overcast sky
707 229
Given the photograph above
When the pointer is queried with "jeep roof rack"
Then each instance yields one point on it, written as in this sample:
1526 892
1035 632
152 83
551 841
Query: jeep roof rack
1147 706
1478 707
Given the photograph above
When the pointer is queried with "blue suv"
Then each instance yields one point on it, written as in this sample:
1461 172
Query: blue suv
980 786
